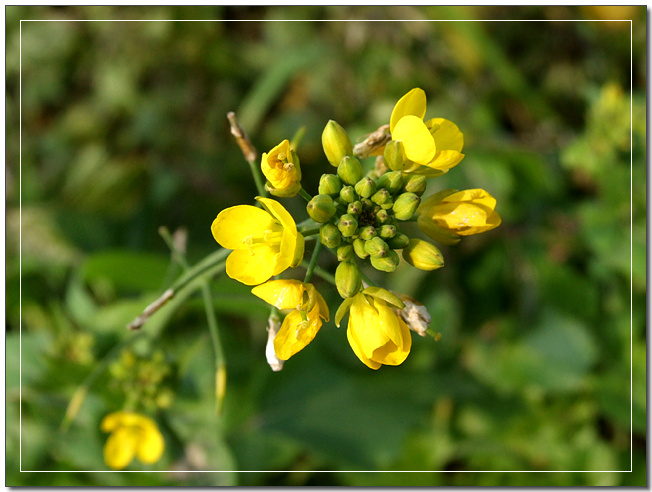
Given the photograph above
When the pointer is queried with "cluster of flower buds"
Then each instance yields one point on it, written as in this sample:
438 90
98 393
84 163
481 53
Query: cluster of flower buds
361 215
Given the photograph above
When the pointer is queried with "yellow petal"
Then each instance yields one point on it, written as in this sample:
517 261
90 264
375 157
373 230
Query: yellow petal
118 419
151 444
293 336
417 141
234 224
120 447
477 196
284 294
357 350
392 354
388 322
413 103
364 327
445 160
447 135
250 269
279 213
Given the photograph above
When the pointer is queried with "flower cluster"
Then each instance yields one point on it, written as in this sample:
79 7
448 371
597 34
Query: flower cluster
359 215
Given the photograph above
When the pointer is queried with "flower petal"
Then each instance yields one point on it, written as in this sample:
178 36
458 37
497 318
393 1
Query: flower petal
250 269
447 135
151 444
284 294
293 337
357 350
364 326
417 141
234 224
120 447
413 103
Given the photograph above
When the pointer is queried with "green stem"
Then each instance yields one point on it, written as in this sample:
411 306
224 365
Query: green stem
258 178
220 363
320 272
313 261
310 232
305 195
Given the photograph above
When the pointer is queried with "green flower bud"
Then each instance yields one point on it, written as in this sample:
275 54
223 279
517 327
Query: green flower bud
399 241
415 183
348 195
423 255
367 232
347 225
329 184
354 208
382 216
321 208
348 279
358 248
387 205
350 170
330 236
386 263
406 205
391 181
376 247
395 155
344 252
381 196
336 142
367 204
365 187
387 231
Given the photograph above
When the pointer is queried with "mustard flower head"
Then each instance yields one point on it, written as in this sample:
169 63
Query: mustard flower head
265 242
282 170
430 148
132 435
302 323
449 214
376 334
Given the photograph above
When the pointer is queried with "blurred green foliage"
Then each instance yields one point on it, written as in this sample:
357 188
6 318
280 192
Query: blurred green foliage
123 130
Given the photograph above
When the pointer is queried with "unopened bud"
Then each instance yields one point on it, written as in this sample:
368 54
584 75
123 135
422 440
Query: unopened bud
406 205
381 196
321 208
350 170
354 208
345 252
423 255
382 216
336 142
367 232
365 187
329 184
348 279
348 194
399 241
387 263
347 225
415 183
358 248
330 236
391 181
395 155
376 247
387 231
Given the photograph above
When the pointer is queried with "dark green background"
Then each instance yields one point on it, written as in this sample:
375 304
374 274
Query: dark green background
124 130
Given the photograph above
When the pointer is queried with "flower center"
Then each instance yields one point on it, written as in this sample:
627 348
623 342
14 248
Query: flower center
270 238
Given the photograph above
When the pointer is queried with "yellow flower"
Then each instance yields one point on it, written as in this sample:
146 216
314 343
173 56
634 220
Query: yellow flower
449 214
431 148
282 170
376 334
132 435
304 321
264 242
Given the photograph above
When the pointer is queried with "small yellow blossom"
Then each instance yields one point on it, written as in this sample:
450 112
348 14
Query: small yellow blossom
431 147
304 321
265 242
282 169
132 435
449 214
376 334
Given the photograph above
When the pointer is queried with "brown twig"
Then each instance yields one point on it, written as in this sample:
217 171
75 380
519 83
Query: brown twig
241 138
372 142
140 320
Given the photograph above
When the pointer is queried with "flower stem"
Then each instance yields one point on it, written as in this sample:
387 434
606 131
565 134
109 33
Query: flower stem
220 363
248 151
313 261
305 195
310 232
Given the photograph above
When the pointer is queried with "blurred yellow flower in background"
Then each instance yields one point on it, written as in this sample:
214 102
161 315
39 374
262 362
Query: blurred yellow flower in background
304 321
265 242
132 435
282 169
